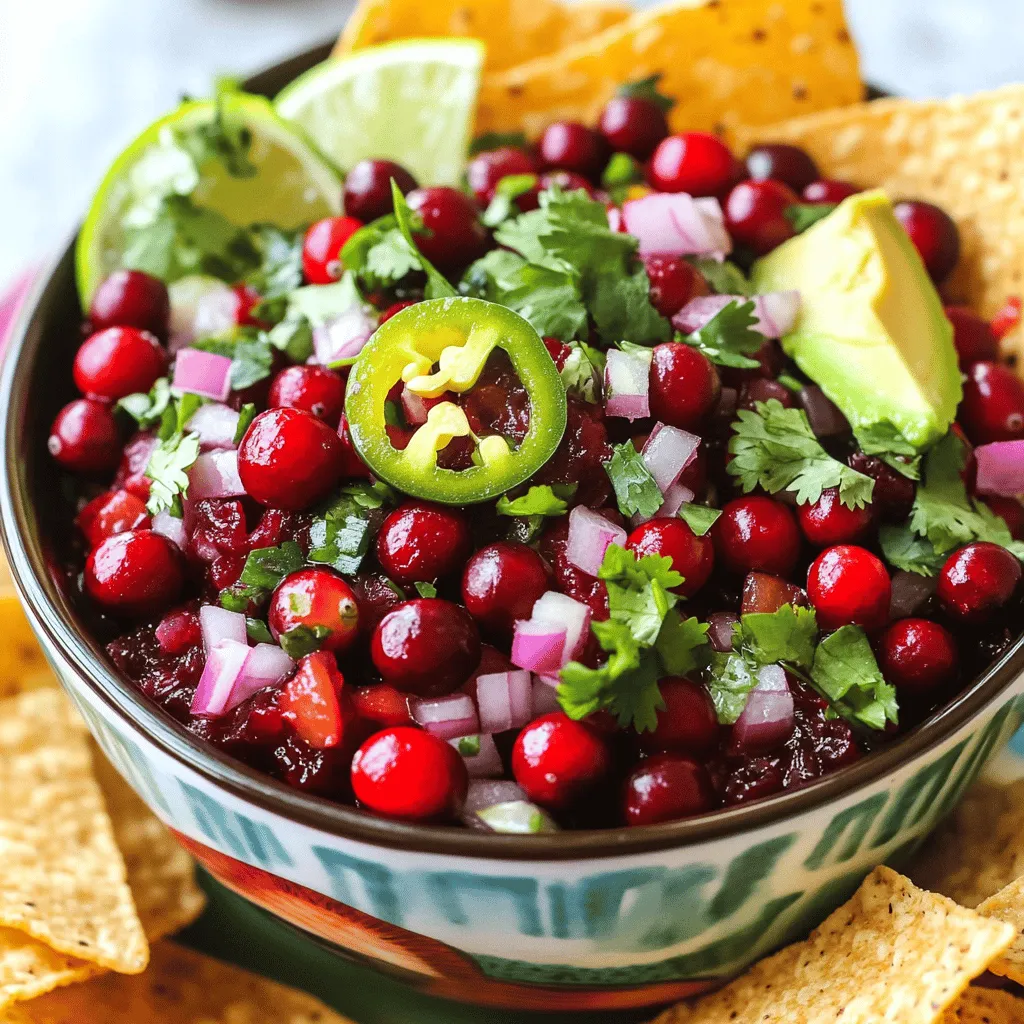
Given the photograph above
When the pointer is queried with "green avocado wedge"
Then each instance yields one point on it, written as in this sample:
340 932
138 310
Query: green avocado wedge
871 331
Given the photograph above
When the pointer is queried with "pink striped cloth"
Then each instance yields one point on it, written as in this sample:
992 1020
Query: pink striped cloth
12 302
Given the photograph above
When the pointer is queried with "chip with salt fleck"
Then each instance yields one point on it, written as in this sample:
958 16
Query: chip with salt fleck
1008 905
985 1006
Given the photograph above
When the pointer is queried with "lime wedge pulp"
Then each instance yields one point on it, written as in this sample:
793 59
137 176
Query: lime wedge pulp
412 101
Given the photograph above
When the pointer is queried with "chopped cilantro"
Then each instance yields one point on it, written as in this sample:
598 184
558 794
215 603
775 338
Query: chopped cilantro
468 746
249 350
787 635
647 89
344 528
239 597
885 442
425 589
846 674
731 677
635 489
639 590
245 417
724 276
699 518
438 286
280 269
683 644
309 307
801 216
506 192
302 640
258 631
540 500
583 372
266 567
729 338
148 409
167 472
498 140
905 550
378 254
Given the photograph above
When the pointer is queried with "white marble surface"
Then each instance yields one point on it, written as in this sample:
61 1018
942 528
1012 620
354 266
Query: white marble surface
78 78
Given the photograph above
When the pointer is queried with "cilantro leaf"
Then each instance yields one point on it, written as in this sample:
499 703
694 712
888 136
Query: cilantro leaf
583 372
280 268
240 597
801 216
167 472
245 417
846 673
309 307
498 140
729 338
249 350
905 550
258 631
343 530
730 680
683 644
787 635
699 518
506 192
148 409
266 567
425 589
302 640
885 442
540 500
438 286
635 489
647 89
724 277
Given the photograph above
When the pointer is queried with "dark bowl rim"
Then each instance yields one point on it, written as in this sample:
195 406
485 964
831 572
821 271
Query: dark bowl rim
55 616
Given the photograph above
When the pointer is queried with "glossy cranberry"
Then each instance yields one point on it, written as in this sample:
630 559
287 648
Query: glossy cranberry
325 772
571 146
757 534
112 512
84 438
321 248
500 584
456 235
486 169
934 234
693 162
409 774
972 336
395 307
684 385
558 351
118 361
312 388
692 557
755 214
667 787
978 580
1010 510
135 573
367 192
917 655
557 760
687 723
428 647
764 389
352 467
246 301
1008 318
178 631
828 190
130 298
789 164
893 494
993 403
828 521
763 592
755 779
581 455
848 585
289 458
674 282
315 598
421 542
633 125
382 704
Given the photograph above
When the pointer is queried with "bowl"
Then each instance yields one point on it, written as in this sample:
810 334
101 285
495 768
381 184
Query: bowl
577 920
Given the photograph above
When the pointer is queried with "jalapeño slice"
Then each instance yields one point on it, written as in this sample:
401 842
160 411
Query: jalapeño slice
440 346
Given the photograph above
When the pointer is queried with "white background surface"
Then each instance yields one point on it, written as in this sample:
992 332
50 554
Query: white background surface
79 78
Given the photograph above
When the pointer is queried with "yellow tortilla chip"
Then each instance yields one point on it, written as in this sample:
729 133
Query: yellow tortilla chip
724 62
513 31
985 1006
892 953
1008 905
22 663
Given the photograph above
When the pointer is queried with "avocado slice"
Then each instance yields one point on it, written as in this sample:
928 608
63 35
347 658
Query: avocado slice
871 332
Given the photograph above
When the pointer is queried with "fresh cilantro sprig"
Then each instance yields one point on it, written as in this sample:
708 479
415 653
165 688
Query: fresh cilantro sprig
438 286
729 337
846 674
167 471
636 490
506 192
148 409
699 518
801 216
279 271
263 571
724 277
344 528
539 500
249 350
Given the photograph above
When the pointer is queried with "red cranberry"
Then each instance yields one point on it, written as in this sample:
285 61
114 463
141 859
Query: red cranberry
456 236
755 214
567 181
136 573
558 351
828 190
321 249
311 598
755 779
557 761
917 655
316 703
84 437
674 282
382 704
972 336
763 592
571 146
428 647
848 585
687 723
893 494
934 234
693 162
977 580
757 534
1008 318
993 404
289 459
351 465
395 307
246 301
828 521
409 774
501 583
692 557
313 388
130 298
764 389
367 192
485 170
684 385
667 787
178 632
789 164
422 542
633 125
1010 510
118 361
110 513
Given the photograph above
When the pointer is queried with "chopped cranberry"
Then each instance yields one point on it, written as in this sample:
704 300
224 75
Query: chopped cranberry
226 570
367 192
848 585
420 542
755 779
828 521
557 760
917 655
693 162
692 557
789 164
217 527
84 437
382 704
581 455
571 580
136 573
893 493
571 146
993 403
130 298
246 301
313 388
112 512
409 774
118 361
325 772
452 233
500 584
763 592
687 723
485 170
311 598
633 125
667 787
1008 317
395 307
674 282
934 234
321 248
316 702
1011 511
428 647
972 337
558 351
684 385
179 631
977 580
759 534
764 389
289 459
828 190
498 403
755 214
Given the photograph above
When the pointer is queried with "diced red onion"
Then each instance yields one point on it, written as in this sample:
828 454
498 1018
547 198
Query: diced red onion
1000 468
486 763
667 452
825 417
538 646
343 337
774 312
568 613
201 307
219 624
486 793
767 719
202 373
676 497
414 407
266 665
517 817
170 527
215 424
545 695
225 663
215 475
447 717
720 634
677 224
910 592
504 701
590 536
627 383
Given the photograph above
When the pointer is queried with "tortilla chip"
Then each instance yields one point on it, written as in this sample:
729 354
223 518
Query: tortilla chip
892 953
1008 905
514 31
985 1006
724 62
22 663
180 987
965 154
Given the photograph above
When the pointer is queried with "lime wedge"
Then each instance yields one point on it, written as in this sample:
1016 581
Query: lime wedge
411 101
284 180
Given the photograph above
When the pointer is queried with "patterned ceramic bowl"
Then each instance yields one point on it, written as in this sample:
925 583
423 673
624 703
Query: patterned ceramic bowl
582 919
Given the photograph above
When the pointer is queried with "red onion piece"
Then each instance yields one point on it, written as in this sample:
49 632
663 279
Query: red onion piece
720 634
910 592
170 527
219 624
568 613
677 224
825 417
215 475
266 665
775 312
676 497
486 762
767 719
215 424
545 695
1000 468
201 307
538 646
343 337
224 664
447 717
202 373
590 536
667 452
627 384
504 701
486 793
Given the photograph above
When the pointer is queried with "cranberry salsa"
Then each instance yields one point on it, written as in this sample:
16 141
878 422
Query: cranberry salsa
595 493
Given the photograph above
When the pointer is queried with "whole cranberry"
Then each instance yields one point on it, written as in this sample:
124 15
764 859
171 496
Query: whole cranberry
112 512
978 580
138 572
315 597
764 389
118 361
409 774
893 494
693 162
791 165
633 125
848 585
934 234
993 403
420 542
456 236
84 438
500 584
395 307
289 458
571 146
367 193
486 169
674 282
312 388
130 298
972 337
567 181
692 557
352 467
667 787
684 385
755 214
246 301
557 760
828 190
428 647
757 534
321 248
917 655
178 631
687 723
828 521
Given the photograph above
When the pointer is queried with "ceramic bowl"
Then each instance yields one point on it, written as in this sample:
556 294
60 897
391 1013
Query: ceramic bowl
568 921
